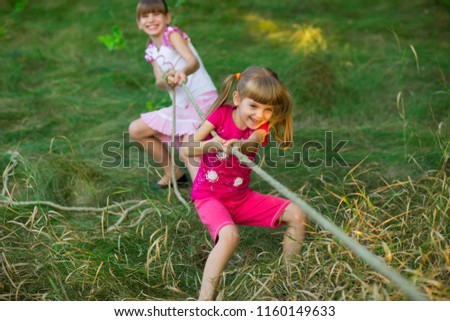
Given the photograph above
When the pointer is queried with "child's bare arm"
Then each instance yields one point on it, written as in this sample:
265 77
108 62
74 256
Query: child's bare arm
197 145
160 76
192 64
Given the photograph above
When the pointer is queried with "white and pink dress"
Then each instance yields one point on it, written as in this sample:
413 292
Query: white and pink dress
199 83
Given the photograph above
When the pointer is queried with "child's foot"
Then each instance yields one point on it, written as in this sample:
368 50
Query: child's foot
165 181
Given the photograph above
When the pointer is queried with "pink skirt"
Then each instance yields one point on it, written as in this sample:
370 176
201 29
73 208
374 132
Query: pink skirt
187 118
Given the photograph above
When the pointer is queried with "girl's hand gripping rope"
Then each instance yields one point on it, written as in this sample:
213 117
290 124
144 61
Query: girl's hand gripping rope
229 144
168 78
179 78
173 78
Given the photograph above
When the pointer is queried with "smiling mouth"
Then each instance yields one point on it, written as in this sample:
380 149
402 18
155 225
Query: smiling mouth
254 121
150 27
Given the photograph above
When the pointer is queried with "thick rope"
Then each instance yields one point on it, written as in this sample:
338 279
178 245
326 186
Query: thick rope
376 262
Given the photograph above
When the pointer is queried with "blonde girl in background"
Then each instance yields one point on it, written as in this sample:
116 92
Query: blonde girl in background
175 61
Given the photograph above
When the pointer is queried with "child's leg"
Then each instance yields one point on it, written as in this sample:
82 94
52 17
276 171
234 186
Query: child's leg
192 163
218 260
257 209
145 135
294 217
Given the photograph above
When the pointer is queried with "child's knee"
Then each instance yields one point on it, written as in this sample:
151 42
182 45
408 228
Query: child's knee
133 129
295 215
183 150
138 129
230 235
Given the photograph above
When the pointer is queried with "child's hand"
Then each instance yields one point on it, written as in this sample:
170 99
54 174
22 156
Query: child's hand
174 78
179 77
229 144
168 78
215 144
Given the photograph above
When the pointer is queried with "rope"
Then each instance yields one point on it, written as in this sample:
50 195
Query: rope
376 262
123 207
165 76
173 147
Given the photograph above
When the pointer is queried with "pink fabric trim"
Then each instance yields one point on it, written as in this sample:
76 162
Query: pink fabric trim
149 58
278 215
165 40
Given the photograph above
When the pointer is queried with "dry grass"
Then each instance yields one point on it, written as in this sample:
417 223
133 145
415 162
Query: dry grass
378 77
51 255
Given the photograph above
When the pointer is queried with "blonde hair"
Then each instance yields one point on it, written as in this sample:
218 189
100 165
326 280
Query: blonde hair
151 6
263 86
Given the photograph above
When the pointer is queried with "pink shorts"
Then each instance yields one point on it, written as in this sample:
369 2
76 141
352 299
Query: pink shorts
254 209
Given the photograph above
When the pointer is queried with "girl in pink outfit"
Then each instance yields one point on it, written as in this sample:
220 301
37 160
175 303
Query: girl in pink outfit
174 60
221 190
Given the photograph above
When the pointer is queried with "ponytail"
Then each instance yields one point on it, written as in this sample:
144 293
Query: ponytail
225 90
282 121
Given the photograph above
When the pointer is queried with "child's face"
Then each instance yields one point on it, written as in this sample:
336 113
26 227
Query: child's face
154 23
251 114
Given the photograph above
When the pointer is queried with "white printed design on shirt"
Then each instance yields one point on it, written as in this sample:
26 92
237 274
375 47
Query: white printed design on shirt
212 176
238 181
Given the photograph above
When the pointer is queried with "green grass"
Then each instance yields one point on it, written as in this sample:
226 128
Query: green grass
375 74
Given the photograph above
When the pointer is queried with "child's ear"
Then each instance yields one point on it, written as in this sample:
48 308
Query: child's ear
236 98
168 18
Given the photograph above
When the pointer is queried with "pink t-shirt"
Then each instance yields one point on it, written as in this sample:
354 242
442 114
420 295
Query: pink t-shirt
221 175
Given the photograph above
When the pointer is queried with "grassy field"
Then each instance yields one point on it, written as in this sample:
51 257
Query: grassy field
373 73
